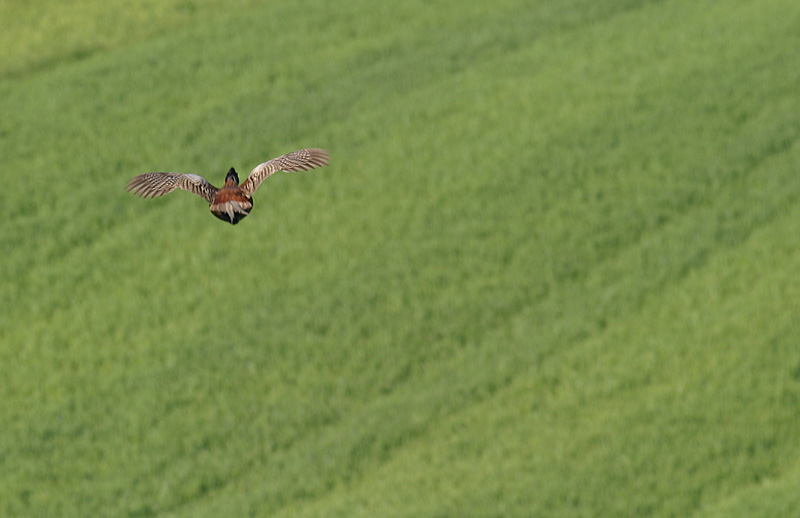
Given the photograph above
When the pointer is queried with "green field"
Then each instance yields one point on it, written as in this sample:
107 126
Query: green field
550 272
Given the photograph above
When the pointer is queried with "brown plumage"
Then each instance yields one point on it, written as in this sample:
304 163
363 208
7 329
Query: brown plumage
232 202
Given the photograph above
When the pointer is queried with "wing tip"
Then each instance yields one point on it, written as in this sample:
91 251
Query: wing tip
141 186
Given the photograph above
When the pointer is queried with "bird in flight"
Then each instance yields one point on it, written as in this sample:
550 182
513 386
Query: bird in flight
232 202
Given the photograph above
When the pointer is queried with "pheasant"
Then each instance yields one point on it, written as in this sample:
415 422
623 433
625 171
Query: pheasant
232 202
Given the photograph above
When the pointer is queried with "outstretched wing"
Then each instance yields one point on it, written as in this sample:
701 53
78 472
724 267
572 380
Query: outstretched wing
302 160
150 185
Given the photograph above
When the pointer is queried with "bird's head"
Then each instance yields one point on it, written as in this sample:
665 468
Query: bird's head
232 178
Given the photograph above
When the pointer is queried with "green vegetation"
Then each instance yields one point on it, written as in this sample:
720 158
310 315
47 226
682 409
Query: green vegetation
551 270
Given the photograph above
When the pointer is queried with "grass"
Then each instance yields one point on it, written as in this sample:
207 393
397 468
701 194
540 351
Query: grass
550 271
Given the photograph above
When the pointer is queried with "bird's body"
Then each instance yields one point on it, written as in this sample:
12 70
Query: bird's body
232 202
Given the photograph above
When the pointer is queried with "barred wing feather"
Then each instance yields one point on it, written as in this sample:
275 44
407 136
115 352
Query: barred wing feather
301 160
150 185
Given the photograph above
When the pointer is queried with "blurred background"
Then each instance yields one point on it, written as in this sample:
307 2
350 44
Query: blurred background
550 271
